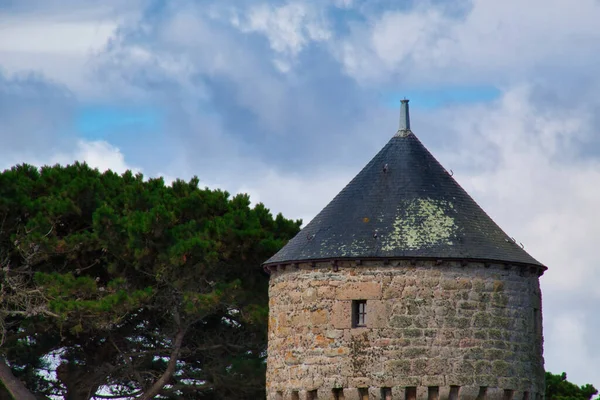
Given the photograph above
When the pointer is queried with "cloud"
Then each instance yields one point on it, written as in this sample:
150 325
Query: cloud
490 41
97 154
288 28
57 40
34 115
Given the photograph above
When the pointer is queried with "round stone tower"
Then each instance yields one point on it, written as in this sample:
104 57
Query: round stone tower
403 288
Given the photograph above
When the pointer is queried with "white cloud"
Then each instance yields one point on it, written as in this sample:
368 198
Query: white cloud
97 154
288 28
58 37
566 337
294 195
58 41
498 41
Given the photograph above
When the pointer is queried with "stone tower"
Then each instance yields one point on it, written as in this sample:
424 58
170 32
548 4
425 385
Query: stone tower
403 288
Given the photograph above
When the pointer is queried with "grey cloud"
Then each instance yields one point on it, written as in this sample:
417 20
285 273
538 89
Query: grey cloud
35 115
228 100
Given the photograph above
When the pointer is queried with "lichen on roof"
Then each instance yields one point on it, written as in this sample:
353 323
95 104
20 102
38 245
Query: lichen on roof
421 223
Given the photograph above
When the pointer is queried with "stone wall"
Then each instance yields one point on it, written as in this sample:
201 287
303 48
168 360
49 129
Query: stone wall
433 330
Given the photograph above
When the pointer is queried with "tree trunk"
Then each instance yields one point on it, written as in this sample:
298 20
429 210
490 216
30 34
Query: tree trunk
81 383
12 385
166 376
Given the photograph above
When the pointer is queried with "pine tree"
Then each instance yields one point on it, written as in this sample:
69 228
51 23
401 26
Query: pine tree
128 287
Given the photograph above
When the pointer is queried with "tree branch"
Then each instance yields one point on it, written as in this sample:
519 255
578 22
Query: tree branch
14 386
166 376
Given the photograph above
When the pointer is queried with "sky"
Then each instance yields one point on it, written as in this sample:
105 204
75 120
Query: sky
288 100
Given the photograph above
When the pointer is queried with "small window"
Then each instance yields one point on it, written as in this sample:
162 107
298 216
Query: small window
363 393
359 313
312 395
433 393
410 393
482 393
454 392
338 394
295 395
386 393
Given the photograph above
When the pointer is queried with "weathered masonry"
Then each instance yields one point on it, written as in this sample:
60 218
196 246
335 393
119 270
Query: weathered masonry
403 288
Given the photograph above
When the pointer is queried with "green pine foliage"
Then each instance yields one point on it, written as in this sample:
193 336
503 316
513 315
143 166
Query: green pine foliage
559 388
100 272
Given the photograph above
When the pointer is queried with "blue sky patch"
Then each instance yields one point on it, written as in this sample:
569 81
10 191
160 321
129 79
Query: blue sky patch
96 122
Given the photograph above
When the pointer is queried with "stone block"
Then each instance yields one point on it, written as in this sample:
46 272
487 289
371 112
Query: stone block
336 381
377 314
412 332
487 380
325 394
495 393
398 392
500 368
508 383
393 291
361 382
309 295
433 380
302 394
463 367
409 381
375 393
444 392
359 291
397 367
352 394
326 292
419 366
422 392
469 392
337 352
436 367
401 321
341 317
319 317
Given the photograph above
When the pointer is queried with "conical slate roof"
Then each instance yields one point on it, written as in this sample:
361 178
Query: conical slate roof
403 204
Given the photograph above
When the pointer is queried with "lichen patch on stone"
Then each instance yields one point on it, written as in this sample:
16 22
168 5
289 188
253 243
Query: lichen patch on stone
420 224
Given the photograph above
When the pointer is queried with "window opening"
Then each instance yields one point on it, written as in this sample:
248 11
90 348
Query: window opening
433 393
454 392
386 393
338 394
359 313
482 393
363 393
411 393
312 395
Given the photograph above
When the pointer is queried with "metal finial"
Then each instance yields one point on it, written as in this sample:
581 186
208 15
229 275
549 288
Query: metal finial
404 116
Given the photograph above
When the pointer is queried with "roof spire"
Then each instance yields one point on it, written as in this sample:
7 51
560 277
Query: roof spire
404 117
